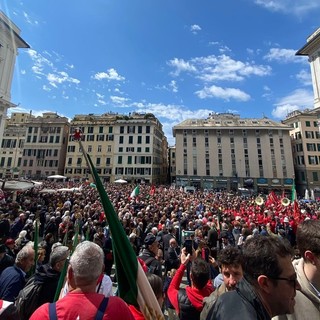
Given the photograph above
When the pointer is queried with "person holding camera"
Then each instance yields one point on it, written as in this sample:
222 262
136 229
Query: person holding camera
188 302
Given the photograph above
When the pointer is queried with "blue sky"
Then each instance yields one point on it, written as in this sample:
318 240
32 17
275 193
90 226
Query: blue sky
178 59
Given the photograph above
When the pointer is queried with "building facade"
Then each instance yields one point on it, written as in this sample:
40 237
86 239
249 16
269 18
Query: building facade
10 41
224 152
305 140
12 144
45 146
312 50
130 147
172 165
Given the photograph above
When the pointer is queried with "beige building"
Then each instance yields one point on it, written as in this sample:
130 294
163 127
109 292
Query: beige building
227 152
130 147
12 144
45 146
10 41
305 139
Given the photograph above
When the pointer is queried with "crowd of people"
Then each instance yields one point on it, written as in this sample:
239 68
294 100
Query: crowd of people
247 259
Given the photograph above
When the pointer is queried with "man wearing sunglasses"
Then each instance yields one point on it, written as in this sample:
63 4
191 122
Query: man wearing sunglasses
268 287
308 271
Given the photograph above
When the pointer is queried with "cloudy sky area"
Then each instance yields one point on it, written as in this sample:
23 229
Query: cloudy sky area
177 59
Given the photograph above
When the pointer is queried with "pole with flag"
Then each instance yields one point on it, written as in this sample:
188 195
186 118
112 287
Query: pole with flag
133 285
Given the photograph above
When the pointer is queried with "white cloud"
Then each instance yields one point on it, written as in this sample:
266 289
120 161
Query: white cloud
60 78
173 86
222 93
40 62
296 7
111 74
195 28
284 56
219 68
100 96
181 66
120 101
29 19
298 99
304 77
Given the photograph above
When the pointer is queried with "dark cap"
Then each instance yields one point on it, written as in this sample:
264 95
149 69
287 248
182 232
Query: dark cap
150 239
2 248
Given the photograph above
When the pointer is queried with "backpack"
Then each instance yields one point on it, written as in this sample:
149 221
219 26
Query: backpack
28 299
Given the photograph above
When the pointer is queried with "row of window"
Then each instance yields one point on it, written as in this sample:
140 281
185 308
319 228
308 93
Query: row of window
40 163
231 132
108 171
41 153
312 160
43 139
50 129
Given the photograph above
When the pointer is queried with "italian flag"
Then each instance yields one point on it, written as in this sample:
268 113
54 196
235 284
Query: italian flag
133 285
135 192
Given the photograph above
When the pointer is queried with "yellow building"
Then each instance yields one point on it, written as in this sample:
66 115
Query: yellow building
130 147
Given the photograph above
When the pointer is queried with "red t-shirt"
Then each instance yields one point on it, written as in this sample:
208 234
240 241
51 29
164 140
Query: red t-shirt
77 305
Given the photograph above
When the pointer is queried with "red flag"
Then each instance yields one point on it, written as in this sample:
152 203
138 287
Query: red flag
152 190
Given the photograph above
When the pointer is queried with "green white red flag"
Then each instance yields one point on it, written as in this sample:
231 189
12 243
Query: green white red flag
135 192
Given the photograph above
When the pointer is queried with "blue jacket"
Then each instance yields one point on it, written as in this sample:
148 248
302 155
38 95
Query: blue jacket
12 280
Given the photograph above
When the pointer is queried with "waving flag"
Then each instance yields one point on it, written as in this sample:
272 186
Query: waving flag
152 190
135 192
133 285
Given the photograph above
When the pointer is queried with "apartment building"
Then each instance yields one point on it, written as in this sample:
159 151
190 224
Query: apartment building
12 144
131 147
10 41
225 152
305 140
45 146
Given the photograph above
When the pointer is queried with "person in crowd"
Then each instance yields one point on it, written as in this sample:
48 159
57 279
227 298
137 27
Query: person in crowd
188 302
308 272
82 300
5 260
213 236
172 260
4 227
172 315
157 287
48 274
268 287
230 262
149 254
8 311
17 226
166 239
10 247
12 279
